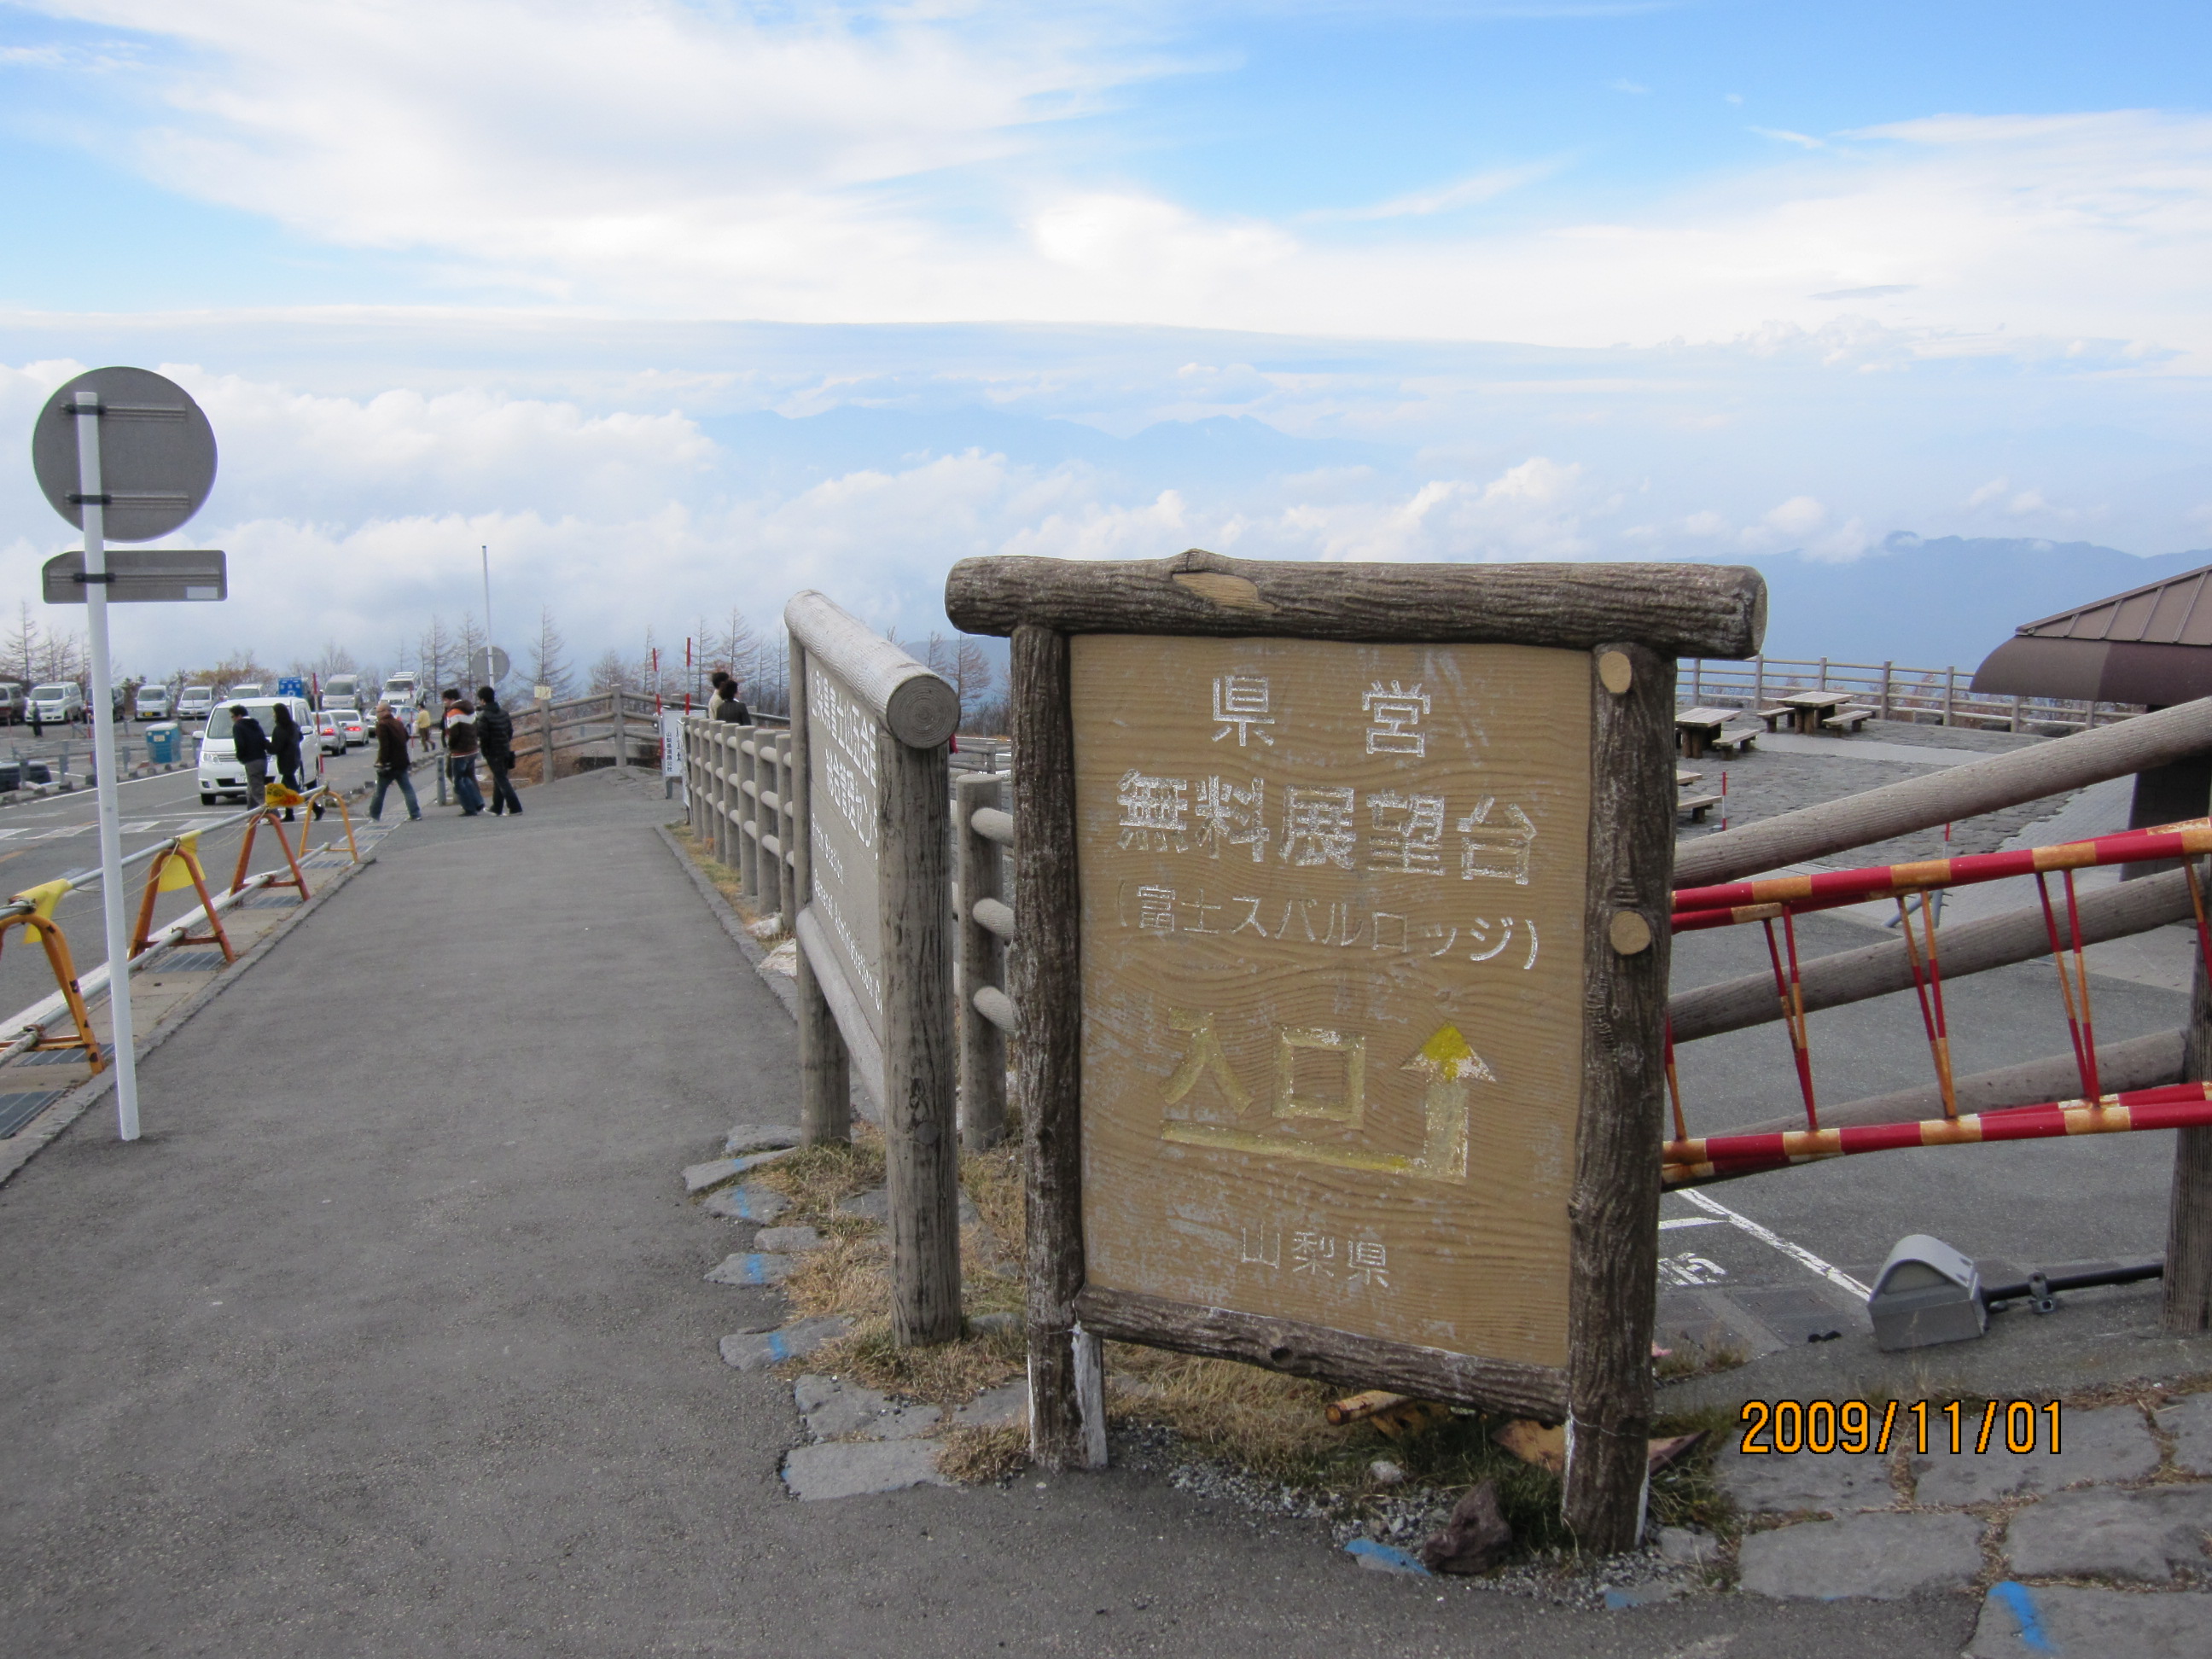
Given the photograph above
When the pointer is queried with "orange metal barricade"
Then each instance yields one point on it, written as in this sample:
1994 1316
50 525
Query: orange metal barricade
176 867
272 817
40 901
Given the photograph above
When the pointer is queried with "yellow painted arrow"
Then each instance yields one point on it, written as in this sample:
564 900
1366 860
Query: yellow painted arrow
1450 1064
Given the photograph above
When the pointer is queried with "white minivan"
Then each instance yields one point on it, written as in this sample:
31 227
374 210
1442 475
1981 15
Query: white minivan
152 702
222 773
194 702
62 700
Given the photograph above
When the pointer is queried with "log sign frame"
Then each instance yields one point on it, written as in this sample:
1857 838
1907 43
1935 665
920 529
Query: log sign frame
1343 895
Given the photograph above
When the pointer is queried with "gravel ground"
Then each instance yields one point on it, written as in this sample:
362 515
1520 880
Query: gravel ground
1402 1520
1763 785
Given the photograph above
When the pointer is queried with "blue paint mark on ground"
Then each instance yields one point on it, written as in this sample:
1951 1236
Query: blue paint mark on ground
2020 1601
1384 1558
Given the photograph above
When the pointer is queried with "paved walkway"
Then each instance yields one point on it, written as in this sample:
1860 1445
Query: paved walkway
391 1338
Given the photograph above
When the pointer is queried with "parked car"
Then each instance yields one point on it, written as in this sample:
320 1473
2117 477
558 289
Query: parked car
58 702
242 691
342 692
220 772
400 688
353 725
12 712
154 703
332 734
194 702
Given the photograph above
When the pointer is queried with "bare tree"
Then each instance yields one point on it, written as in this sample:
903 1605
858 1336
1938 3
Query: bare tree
610 673
20 652
549 657
434 661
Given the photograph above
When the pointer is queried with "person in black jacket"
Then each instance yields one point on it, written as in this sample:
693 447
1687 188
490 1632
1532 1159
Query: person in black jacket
495 737
391 764
250 744
284 745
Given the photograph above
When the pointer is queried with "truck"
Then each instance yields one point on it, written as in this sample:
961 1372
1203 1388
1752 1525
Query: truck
342 692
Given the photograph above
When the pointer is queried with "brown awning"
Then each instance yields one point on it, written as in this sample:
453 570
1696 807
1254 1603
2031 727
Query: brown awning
2151 645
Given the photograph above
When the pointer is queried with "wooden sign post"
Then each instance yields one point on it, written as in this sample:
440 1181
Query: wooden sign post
1344 893
873 918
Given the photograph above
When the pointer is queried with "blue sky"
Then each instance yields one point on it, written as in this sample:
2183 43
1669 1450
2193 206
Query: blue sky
1699 281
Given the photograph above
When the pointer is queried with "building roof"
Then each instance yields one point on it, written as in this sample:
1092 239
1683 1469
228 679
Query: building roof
2176 611
2148 645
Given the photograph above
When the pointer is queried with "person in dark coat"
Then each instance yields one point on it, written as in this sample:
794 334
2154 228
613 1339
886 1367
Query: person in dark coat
250 744
284 745
495 737
391 764
728 705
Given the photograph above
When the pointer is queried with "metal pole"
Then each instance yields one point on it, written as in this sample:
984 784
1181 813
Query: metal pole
490 678
89 484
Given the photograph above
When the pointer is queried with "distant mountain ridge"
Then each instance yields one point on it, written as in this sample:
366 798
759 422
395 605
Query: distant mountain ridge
1950 599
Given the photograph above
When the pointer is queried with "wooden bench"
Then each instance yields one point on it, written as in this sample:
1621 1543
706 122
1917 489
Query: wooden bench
1683 780
1697 806
1740 738
1849 719
1774 717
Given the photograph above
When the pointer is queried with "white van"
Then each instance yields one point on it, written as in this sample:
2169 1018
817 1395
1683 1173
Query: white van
194 702
62 700
152 702
222 773
342 692
243 690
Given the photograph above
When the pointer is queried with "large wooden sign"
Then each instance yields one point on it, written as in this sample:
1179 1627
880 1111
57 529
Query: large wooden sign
1351 1064
844 835
1332 938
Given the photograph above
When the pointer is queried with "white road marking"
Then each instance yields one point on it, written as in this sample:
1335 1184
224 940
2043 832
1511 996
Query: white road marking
1673 1221
1797 1253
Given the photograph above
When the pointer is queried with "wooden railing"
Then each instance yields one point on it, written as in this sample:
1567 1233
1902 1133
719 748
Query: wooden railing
1894 691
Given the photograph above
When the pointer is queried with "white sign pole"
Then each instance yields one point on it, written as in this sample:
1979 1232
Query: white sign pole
87 410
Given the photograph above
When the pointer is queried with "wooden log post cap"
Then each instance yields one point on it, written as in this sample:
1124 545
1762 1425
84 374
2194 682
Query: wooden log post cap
1615 673
1629 933
916 707
1677 610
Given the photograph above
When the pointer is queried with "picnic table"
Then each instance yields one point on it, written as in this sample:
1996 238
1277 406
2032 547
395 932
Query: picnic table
1696 728
1805 709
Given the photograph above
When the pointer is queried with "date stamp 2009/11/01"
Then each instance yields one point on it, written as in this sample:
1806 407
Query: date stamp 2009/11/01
1788 1426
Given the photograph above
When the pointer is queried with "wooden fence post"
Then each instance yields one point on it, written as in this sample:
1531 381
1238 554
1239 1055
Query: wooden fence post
744 768
1951 697
1615 1210
1049 992
1759 681
921 1131
2188 1305
786 883
621 735
982 1045
825 1065
545 716
1885 669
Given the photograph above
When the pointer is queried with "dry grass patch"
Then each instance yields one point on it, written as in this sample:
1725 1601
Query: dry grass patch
976 1457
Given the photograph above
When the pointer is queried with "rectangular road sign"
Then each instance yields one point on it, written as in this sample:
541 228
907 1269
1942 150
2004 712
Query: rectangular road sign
1333 913
143 575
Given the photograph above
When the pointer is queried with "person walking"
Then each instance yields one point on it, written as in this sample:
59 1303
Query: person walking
495 737
250 744
461 753
391 765
284 745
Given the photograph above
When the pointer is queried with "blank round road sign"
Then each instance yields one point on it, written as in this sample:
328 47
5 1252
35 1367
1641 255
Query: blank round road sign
156 452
